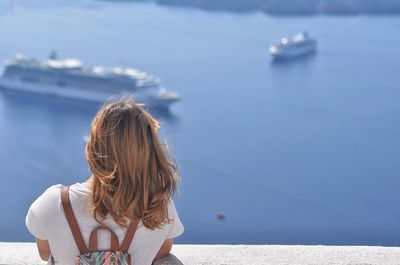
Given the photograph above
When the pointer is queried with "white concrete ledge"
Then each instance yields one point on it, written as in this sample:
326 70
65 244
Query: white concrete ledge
26 253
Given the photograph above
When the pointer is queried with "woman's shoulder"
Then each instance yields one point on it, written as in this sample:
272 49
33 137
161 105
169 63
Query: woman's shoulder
176 227
42 210
47 208
51 194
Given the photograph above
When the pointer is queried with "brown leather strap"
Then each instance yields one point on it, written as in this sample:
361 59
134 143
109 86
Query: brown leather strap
93 239
73 225
129 235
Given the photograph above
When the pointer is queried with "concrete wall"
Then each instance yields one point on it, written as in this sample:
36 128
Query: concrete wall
26 253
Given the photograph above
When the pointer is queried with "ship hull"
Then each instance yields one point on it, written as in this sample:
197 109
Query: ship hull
80 93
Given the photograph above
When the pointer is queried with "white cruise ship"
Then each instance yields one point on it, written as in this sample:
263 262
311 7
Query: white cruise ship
69 78
300 44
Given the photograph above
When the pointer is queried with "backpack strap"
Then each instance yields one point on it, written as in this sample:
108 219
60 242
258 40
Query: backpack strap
93 239
73 225
129 235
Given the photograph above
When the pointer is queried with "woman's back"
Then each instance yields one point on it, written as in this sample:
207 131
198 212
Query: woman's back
46 220
133 178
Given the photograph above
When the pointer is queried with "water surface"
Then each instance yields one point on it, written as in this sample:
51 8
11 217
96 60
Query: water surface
304 152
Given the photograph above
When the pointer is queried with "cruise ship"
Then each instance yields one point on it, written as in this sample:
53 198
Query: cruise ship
289 47
69 78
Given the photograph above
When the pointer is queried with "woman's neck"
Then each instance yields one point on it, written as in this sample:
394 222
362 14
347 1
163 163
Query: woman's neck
89 182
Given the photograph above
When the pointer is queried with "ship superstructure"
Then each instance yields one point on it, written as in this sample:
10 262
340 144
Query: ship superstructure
289 47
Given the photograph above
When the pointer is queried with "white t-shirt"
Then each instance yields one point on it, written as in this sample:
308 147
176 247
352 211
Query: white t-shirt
46 220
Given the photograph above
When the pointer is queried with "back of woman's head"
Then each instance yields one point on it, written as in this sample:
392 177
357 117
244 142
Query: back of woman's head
133 177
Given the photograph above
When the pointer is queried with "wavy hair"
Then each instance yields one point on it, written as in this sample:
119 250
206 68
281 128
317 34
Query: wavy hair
133 174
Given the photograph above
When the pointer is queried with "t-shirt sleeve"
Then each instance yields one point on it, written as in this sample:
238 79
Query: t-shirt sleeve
175 226
42 212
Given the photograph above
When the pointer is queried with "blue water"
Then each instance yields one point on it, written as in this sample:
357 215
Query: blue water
305 152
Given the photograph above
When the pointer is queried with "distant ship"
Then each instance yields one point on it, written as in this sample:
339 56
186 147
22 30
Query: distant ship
299 44
69 78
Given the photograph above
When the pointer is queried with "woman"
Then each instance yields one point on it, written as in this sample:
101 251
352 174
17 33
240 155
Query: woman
132 179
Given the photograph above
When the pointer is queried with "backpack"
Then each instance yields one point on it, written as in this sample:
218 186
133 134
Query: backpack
116 255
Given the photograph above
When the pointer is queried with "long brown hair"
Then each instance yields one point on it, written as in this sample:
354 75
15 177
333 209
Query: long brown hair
133 175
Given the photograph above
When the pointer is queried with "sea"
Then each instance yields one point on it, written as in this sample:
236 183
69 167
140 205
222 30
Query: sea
305 151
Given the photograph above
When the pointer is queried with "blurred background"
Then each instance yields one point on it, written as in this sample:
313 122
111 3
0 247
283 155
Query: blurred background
297 150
